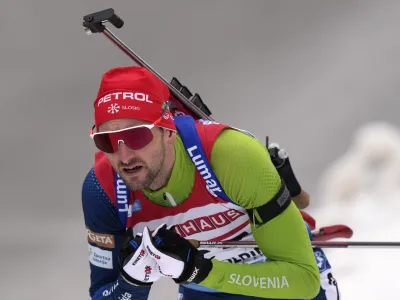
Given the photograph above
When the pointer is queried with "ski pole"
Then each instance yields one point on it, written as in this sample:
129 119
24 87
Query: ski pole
94 23
315 244
321 236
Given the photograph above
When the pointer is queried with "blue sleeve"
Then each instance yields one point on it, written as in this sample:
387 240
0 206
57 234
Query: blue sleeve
104 230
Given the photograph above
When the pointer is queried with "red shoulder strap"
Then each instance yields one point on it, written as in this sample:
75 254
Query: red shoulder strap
105 174
208 133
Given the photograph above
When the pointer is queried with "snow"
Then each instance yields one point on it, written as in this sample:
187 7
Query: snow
362 190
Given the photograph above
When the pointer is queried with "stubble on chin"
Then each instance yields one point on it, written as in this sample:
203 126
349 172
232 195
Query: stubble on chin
139 183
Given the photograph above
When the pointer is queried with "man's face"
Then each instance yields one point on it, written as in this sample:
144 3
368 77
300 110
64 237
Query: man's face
137 168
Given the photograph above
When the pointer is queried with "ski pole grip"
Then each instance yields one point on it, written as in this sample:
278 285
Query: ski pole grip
94 21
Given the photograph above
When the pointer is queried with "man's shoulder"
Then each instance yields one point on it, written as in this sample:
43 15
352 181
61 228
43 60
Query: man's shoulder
101 161
233 146
99 181
103 169
91 187
100 213
231 137
210 126
209 132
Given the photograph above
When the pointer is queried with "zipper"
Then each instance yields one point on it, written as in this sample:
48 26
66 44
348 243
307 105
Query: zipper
171 200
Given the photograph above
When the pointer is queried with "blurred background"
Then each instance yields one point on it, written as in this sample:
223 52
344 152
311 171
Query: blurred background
321 78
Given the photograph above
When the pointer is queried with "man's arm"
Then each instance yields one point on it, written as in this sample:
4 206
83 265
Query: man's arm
104 233
302 200
282 164
245 171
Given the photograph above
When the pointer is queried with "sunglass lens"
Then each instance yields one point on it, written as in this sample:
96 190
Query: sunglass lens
137 138
103 143
134 138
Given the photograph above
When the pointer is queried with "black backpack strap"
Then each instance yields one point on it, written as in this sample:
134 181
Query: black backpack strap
265 213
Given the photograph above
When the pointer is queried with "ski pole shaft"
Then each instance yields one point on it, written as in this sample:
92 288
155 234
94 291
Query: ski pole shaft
315 244
351 244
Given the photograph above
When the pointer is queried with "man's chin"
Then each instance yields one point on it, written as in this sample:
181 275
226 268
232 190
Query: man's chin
135 183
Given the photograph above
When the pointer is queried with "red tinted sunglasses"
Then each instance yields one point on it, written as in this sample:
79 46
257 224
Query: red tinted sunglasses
135 137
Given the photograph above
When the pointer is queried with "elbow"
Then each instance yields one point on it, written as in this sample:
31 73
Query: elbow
315 287
313 282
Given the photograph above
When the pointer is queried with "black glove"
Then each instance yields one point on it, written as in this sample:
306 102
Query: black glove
136 265
176 256
281 161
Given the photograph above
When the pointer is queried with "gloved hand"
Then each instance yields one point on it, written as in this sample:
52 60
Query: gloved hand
136 265
176 257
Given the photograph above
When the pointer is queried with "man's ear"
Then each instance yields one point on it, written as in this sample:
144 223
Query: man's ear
172 135
169 135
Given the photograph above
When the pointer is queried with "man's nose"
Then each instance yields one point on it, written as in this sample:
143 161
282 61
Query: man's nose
125 153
